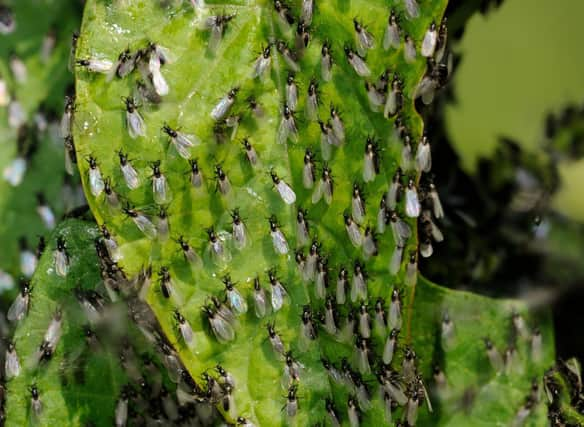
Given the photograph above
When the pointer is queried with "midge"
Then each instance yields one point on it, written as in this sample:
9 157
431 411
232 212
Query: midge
324 188
424 155
357 63
217 24
364 38
160 188
287 129
67 119
308 170
20 305
96 183
235 300
11 362
45 212
185 329
219 253
392 33
128 171
61 258
292 401
239 230
370 160
302 227
275 341
353 230
290 58
196 175
221 327
223 185
188 252
96 65
36 406
291 92
326 62
141 221
279 293
250 152
278 239
262 65
312 100
284 190
410 50
181 142
260 299
134 121
224 105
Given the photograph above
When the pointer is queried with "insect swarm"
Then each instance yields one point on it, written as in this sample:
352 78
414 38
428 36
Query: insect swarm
280 251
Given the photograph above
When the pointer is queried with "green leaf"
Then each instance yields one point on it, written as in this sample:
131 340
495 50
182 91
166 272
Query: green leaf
45 86
79 384
198 80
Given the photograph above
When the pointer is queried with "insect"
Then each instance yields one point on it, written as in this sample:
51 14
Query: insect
327 139
324 187
262 64
36 405
309 169
284 190
394 101
224 105
160 188
362 355
260 299
330 322
275 341
124 65
394 313
353 230
396 259
353 412
370 160
11 363
392 33
61 258
221 327
308 329
365 39
18 68
292 369
70 154
436 205
326 62
278 239
188 252
412 270
312 101
111 196
20 305
302 36
234 298
67 118
289 56
382 214
96 65
302 227
342 284
222 181
96 184
239 231
28 260
423 156
196 175
278 291
7 22
337 125
495 358
141 221
412 202
53 332
287 129
185 329
410 50
359 284
357 63
216 247
399 228
128 171
217 24
375 96
162 224
429 42
412 9
364 321
121 411
134 121
250 153
181 142
292 401
390 346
